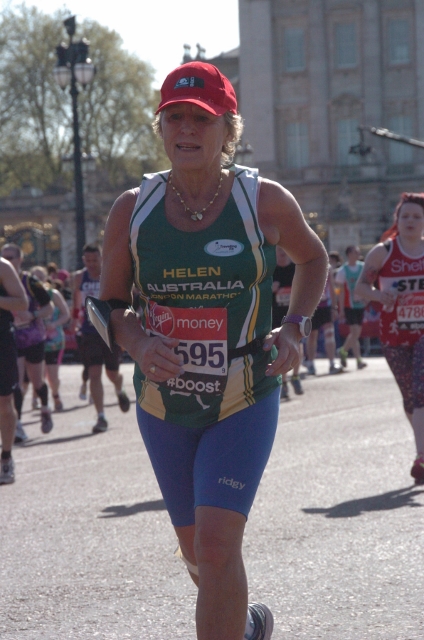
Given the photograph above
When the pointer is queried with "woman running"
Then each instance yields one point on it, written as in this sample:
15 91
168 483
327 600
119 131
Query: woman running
54 346
398 264
199 243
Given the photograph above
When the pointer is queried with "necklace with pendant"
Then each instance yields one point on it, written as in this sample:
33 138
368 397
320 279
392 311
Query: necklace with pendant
196 215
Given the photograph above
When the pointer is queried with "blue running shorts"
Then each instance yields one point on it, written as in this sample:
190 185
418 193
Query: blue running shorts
220 465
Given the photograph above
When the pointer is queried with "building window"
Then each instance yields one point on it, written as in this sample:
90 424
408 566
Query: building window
399 42
347 136
294 49
297 145
399 152
345 49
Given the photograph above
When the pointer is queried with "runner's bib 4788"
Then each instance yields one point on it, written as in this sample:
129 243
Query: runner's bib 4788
202 335
410 311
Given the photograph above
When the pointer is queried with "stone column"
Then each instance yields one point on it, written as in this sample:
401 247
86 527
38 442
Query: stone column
66 227
419 43
319 130
257 79
372 65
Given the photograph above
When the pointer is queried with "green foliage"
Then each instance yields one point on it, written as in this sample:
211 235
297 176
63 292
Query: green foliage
115 111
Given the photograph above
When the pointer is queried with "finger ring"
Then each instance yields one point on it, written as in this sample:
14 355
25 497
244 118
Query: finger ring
152 368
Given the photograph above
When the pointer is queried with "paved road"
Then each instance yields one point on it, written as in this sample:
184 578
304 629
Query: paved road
334 543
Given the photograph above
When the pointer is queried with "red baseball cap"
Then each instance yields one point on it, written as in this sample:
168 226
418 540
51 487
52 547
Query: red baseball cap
199 83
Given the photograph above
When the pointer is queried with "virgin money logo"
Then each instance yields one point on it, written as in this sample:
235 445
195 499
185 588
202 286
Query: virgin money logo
161 320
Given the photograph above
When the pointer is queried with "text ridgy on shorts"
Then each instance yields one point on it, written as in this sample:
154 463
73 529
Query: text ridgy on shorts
232 483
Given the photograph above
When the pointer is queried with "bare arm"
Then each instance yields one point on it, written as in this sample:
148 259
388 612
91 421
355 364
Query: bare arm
45 311
341 301
60 303
76 298
16 300
333 298
282 223
76 293
365 288
116 281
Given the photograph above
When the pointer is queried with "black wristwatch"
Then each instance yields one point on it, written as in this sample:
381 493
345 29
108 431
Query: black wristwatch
304 323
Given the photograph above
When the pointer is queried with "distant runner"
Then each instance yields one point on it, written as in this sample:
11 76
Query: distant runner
93 351
398 265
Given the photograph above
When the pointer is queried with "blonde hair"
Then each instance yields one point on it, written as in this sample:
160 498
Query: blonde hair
235 125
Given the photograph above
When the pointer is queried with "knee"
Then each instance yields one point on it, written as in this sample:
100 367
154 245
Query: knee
329 334
216 547
213 550
114 376
95 374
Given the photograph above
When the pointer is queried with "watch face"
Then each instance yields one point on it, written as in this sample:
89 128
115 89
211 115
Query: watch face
307 326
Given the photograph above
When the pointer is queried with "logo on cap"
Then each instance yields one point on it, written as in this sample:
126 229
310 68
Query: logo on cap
190 82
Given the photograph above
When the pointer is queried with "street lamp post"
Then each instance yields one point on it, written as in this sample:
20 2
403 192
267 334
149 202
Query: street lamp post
74 65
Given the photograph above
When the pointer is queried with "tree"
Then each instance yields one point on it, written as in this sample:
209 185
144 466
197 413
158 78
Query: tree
115 111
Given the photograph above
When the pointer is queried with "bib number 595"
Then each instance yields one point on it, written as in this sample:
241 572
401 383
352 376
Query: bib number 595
201 354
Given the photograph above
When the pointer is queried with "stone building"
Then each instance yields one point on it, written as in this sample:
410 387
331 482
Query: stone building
43 224
312 72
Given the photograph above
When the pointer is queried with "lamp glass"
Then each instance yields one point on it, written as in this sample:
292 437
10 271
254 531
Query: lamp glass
62 76
84 72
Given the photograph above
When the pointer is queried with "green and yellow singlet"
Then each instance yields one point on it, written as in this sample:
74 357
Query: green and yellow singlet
211 289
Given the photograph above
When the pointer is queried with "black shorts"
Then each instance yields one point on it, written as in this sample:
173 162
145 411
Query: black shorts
278 314
354 316
9 377
321 316
54 357
94 351
33 354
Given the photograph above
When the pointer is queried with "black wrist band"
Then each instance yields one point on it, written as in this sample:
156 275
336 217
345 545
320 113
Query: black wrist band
115 303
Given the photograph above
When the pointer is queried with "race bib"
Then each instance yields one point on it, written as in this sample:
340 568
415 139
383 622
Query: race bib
282 297
410 311
203 345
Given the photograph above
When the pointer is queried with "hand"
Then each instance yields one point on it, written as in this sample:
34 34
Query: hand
157 353
286 339
23 317
387 298
51 329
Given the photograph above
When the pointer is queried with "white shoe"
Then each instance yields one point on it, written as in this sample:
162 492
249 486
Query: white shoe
20 435
83 391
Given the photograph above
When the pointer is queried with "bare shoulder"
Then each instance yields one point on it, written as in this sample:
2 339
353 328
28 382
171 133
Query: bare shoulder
377 255
57 296
77 277
373 263
6 270
280 217
123 207
274 197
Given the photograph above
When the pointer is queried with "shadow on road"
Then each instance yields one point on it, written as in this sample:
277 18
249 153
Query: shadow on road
36 442
122 510
384 502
